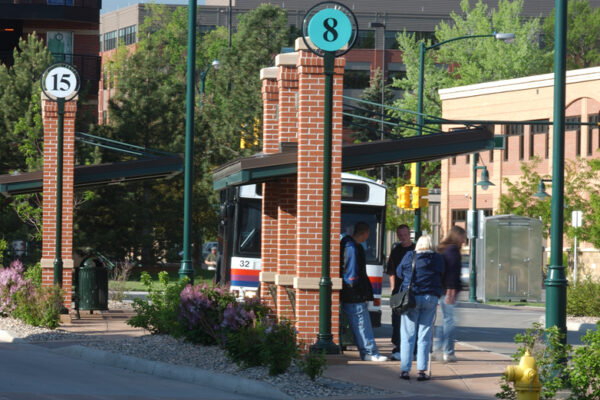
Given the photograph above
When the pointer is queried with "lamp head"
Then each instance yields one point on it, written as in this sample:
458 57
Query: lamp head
506 37
541 192
216 64
375 24
485 180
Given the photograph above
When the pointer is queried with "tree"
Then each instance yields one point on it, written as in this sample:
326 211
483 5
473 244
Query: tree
583 33
148 109
581 192
467 61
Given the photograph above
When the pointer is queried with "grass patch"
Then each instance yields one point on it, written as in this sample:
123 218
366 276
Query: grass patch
516 303
134 284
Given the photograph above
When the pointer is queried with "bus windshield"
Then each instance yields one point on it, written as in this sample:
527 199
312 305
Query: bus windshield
372 216
248 228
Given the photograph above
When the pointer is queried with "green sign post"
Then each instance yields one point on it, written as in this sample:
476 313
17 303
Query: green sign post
60 83
330 26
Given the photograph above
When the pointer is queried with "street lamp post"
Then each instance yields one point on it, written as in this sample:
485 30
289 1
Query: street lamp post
506 37
187 267
556 282
381 25
484 183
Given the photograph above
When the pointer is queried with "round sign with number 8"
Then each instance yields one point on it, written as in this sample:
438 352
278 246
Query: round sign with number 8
330 29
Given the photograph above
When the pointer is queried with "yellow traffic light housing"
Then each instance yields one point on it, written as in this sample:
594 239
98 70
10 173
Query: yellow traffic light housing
403 193
417 197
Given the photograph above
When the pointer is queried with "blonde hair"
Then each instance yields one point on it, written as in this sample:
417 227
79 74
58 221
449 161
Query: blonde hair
424 243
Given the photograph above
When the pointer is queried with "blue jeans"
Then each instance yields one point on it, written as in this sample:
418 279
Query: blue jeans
417 326
360 323
446 331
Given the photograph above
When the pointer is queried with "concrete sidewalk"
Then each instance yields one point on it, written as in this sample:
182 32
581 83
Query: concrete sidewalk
475 375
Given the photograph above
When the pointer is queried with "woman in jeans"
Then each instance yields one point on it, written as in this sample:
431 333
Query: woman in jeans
450 247
417 323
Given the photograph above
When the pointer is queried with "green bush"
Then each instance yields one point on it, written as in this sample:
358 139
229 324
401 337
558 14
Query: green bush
584 299
268 343
159 312
313 364
40 306
560 367
34 274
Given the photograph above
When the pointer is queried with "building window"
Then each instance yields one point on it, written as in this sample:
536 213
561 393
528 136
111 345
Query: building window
595 119
398 75
453 160
127 35
572 124
356 79
110 40
537 129
468 159
459 216
514 130
506 147
101 42
365 40
60 2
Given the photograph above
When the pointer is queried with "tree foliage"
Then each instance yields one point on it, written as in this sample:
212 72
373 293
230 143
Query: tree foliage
148 109
583 33
581 192
467 61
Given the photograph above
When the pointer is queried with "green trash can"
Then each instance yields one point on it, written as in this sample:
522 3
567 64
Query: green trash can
91 285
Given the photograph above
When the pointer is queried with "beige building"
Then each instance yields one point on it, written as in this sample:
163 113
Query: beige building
522 99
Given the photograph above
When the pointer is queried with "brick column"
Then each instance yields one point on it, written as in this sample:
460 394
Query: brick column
287 81
50 120
270 189
310 192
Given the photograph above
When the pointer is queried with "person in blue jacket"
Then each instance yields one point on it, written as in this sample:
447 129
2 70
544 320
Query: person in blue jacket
450 247
357 291
417 323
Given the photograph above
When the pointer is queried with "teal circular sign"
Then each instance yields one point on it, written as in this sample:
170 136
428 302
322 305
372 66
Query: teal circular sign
330 29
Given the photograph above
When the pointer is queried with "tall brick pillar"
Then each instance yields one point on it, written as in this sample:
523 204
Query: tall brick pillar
270 189
50 120
287 81
311 90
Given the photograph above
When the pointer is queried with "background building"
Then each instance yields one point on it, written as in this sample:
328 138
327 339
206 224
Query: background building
521 99
69 27
379 22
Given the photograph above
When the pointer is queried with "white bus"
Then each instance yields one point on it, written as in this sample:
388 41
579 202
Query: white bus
240 231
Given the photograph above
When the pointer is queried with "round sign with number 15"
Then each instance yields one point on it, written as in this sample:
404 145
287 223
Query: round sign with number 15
60 81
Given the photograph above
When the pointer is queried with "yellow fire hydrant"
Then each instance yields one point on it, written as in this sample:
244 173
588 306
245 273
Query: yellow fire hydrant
525 377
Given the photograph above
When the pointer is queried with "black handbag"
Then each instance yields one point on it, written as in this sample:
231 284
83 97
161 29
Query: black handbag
404 300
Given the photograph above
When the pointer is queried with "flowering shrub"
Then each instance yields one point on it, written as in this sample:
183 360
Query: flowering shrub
11 282
210 313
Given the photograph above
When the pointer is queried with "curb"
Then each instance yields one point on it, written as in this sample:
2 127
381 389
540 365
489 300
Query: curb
225 382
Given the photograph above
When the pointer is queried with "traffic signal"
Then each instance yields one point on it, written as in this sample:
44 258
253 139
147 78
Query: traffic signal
403 200
417 197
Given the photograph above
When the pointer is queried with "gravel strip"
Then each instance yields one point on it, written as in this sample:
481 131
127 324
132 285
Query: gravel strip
169 350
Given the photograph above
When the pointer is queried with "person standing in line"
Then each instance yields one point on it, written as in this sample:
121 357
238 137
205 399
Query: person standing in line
417 323
357 291
450 247
403 246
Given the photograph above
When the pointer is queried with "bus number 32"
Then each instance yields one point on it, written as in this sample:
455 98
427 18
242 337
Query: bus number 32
244 263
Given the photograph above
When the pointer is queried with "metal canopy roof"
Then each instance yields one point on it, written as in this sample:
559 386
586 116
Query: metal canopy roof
262 167
101 174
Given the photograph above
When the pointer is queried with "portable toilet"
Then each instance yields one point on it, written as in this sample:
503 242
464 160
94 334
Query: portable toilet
510 259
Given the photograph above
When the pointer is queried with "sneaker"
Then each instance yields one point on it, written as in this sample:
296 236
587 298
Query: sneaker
375 358
436 356
395 356
449 358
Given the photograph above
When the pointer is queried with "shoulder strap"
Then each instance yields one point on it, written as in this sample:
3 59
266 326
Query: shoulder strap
414 264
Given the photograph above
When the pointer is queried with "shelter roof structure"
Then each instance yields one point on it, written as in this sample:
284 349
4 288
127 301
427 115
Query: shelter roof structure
100 174
263 167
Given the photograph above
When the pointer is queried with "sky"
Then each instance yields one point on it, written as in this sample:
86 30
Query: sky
112 5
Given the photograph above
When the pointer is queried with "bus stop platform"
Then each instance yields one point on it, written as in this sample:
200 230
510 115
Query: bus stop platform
476 374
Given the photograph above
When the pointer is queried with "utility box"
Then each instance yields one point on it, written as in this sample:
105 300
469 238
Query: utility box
510 259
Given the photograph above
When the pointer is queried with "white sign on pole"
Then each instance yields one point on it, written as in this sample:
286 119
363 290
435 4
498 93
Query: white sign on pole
60 81
576 218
